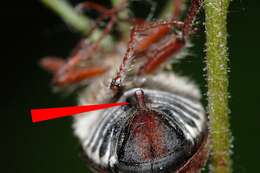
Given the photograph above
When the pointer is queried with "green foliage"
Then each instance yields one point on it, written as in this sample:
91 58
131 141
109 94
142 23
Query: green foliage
68 14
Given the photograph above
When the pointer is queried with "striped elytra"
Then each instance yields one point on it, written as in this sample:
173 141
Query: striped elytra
162 129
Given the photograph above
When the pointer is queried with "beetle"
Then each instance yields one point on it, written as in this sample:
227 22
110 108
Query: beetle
164 127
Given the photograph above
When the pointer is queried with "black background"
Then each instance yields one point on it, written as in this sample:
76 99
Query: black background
30 31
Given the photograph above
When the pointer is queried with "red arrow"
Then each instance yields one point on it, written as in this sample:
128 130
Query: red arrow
53 113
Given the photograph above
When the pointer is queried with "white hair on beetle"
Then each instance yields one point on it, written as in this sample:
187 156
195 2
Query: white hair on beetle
178 84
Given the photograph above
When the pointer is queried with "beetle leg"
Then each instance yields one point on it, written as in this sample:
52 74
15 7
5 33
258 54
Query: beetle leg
92 5
144 43
104 12
175 45
52 64
141 38
192 12
78 75
80 56
140 44
66 72
161 56
101 9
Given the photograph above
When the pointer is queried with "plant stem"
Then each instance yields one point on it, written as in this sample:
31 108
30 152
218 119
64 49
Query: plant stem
217 66
69 15
77 20
167 10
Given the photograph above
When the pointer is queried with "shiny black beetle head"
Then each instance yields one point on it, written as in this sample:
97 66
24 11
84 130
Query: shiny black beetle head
157 132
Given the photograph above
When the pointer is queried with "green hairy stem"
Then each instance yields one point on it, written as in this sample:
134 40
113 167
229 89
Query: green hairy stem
217 67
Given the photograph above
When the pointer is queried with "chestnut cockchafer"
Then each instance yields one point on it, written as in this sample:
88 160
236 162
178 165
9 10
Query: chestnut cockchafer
164 127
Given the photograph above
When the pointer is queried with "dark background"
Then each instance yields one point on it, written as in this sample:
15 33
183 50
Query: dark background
30 31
